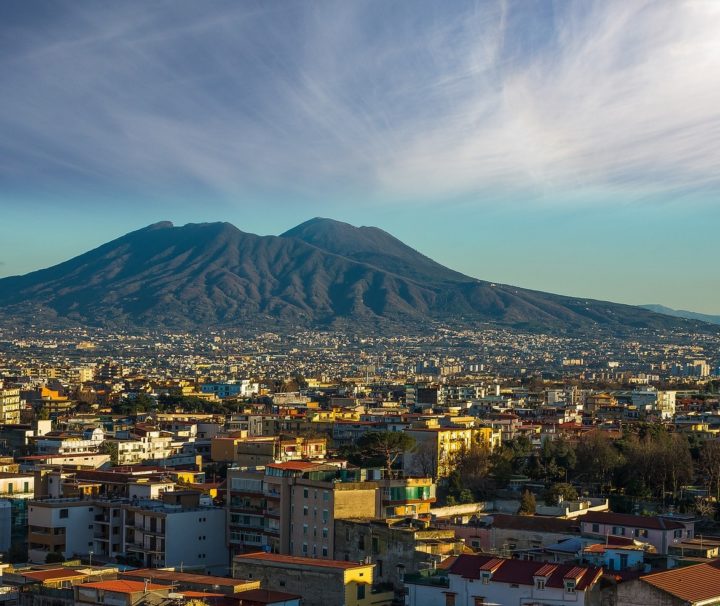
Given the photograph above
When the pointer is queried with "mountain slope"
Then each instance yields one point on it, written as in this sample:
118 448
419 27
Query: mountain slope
373 246
682 313
320 273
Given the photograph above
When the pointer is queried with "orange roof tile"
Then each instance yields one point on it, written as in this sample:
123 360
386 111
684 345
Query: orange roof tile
698 583
120 586
54 574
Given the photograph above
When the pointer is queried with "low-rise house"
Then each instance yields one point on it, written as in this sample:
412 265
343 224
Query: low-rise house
617 553
697 585
474 580
661 532
184 581
319 582
119 592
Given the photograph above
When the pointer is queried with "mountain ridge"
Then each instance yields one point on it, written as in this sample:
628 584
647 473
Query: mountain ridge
322 273
682 313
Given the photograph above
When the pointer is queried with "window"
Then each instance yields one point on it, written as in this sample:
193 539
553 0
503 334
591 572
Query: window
539 583
325 533
63 513
596 528
485 577
305 493
305 511
324 551
678 534
361 592
570 585
478 601
449 599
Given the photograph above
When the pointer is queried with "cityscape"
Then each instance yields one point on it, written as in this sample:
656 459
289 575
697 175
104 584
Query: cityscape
492 380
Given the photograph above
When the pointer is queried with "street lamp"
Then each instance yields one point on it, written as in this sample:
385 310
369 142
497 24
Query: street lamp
91 555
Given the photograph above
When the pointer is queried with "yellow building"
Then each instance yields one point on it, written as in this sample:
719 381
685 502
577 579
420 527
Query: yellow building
437 447
319 582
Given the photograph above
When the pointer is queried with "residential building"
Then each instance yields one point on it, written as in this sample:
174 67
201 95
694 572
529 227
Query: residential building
697 585
319 582
396 547
437 447
660 532
175 531
474 580
119 592
9 405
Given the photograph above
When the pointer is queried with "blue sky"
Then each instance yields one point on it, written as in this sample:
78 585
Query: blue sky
572 147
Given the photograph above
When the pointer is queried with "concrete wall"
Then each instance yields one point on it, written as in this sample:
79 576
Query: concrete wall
317 588
639 593
197 539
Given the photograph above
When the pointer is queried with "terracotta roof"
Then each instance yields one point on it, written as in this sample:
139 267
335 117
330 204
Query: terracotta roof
523 572
545 571
262 556
693 584
171 575
491 564
125 586
534 523
626 519
54 574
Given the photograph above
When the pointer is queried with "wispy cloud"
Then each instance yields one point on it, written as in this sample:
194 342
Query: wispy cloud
395 100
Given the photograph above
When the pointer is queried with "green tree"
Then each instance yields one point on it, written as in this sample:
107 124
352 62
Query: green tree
527 504
710 466
473 465
560 491
54 558
597 459
386 444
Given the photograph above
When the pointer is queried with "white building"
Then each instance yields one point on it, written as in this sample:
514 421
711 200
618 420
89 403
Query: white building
9 406
474 580
177 531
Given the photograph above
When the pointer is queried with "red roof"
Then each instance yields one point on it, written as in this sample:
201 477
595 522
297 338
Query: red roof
523 572
699 583
53 574
120 586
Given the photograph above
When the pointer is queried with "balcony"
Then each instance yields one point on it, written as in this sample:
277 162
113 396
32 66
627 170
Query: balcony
47 539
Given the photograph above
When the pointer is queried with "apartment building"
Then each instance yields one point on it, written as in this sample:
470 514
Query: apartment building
61 443
437 446
175 531
246 451
291 507
9 405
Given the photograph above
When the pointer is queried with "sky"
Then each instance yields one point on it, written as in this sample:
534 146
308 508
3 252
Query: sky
572 147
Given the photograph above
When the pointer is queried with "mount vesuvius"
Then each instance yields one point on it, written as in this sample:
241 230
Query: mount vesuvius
321 273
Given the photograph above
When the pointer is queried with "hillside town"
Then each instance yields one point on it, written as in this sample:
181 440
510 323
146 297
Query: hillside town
491 467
